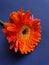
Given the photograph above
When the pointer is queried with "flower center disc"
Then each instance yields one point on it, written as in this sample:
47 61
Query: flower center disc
25 32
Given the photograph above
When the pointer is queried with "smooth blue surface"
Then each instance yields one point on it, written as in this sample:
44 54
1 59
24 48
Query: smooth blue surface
40 9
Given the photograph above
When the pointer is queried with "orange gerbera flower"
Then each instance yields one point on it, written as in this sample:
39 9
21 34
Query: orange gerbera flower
23 31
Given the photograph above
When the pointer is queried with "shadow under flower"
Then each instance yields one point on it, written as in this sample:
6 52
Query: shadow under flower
10 55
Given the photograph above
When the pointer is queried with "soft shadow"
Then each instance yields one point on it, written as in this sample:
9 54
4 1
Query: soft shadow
10 55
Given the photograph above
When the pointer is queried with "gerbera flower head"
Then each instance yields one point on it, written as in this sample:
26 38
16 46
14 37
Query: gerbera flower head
23 32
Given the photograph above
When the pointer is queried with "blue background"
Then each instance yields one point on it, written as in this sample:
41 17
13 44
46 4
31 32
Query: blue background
40 56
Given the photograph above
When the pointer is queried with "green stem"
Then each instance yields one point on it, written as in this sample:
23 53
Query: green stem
1 23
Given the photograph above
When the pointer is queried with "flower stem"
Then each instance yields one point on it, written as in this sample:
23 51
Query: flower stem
1 23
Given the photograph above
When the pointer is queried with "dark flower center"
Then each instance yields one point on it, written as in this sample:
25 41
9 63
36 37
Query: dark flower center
24 31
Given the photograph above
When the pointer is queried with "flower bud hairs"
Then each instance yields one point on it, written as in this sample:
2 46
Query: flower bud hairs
23 32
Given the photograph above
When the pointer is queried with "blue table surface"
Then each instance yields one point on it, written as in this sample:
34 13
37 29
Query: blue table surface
40 56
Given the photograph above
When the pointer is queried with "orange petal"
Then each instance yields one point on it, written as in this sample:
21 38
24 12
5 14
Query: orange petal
4 30
21 46
36 40
11 45
6 24
11 38
27 15
36 21
16 46
12 29
14 17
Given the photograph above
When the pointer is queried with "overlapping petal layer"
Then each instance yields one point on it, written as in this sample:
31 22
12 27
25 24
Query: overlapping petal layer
23 31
